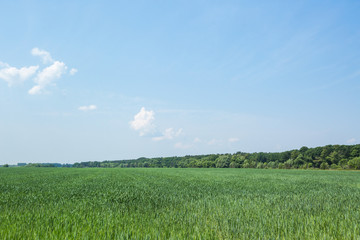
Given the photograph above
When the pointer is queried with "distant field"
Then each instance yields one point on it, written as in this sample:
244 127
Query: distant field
61 203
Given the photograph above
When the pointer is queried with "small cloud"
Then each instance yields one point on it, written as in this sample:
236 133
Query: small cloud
168 134
231 140
197 140
73 71
37 89
87 108
143 121
14 75
182 145
45 56
351 141
47 76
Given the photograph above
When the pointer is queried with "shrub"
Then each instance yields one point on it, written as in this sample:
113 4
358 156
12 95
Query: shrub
324 165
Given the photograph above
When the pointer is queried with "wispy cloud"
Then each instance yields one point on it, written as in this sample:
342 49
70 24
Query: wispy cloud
351 141
45 56
87 108
47 76
73 71
168 134
143 122
14 75
231 140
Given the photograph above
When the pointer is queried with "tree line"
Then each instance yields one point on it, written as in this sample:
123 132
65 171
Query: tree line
327 157
46 165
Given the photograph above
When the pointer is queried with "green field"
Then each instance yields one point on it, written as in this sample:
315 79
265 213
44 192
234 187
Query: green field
62 203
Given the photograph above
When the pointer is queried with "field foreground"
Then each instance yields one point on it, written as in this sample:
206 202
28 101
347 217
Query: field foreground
61 203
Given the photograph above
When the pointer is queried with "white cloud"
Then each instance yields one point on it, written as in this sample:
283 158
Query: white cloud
47 76
73 71
168 134
233 140
143 122
182 145
46 57
351 141
14 75
197 140
87 108
44 77
36 90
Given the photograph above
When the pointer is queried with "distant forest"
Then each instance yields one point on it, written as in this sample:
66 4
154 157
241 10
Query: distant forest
327 157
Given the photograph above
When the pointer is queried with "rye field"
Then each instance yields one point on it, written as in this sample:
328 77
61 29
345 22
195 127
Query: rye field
69 203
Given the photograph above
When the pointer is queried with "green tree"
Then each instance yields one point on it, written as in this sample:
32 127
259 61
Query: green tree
343 163
355 152
300 160
273 164
246 164
234 165
303 149
289 164
294 154
6 165
260 165
354 163
223 161
326 152
334 157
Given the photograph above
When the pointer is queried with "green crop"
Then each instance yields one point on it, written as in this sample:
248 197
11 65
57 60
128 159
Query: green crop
62 203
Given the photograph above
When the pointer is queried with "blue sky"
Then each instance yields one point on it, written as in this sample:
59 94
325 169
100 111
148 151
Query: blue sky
96 80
